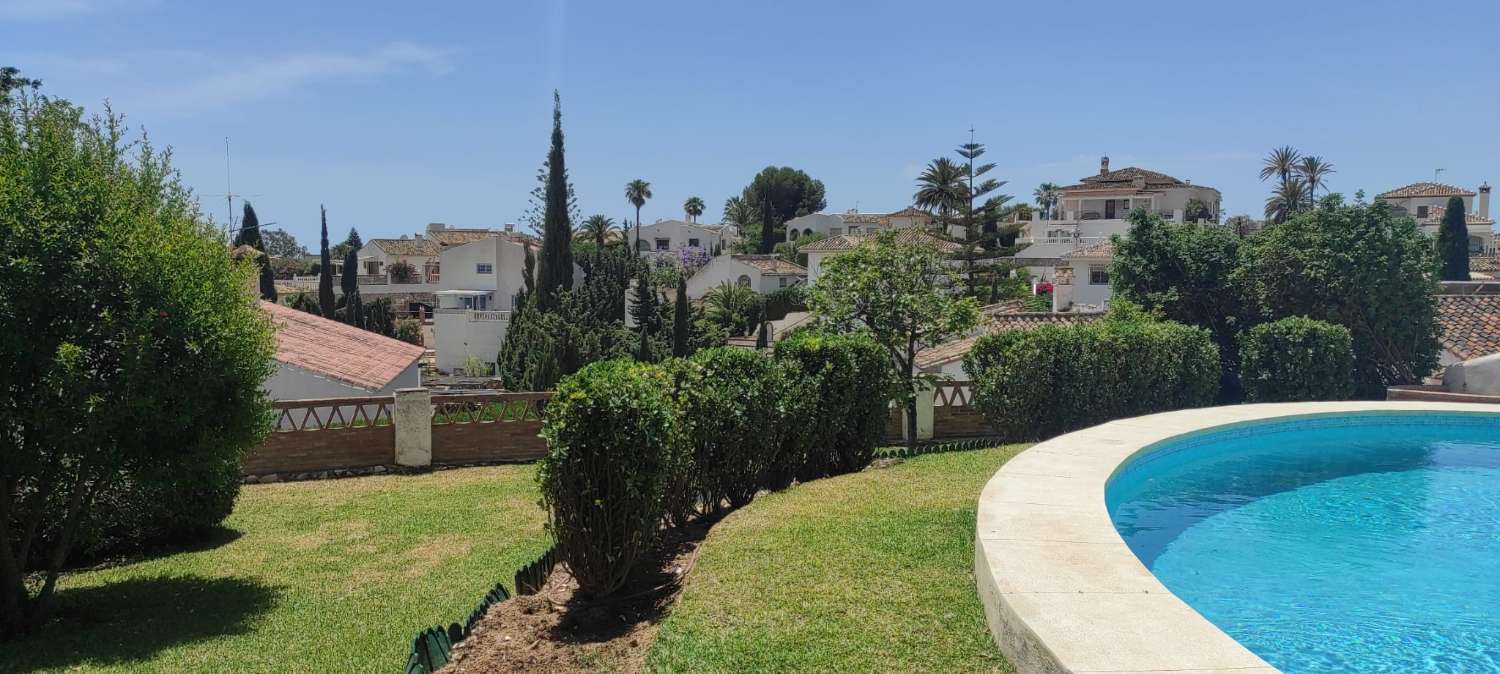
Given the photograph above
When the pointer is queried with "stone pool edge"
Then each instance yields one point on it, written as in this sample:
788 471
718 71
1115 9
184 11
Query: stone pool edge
1061 590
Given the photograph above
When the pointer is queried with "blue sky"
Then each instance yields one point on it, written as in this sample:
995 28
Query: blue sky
439 111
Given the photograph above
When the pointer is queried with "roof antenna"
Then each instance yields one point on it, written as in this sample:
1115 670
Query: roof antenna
229 197
1435 173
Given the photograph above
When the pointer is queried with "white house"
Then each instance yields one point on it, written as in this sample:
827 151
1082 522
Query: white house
321 358
673 235
422 251
1428 201
1099 206
821 250
854 222
763 273
1080 283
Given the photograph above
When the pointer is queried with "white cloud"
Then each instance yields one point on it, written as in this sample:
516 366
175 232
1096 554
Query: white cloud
262 79
40 10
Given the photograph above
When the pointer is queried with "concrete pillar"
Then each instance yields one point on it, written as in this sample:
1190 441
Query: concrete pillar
413 421
925 398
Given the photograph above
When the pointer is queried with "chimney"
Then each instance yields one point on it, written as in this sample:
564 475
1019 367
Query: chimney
1484 200
436 226
1104 165
510 226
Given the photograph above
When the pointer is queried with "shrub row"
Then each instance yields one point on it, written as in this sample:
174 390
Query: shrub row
636 447
1296 359
1051 380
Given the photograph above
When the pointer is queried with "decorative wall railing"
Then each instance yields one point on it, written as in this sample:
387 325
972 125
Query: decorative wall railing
943 412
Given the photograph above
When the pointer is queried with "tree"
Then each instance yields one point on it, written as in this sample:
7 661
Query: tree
1183 272
693 207
1356 266
940 190
647 308
11 80
402 272
349 281
555 268
1047 195
682 317
249 231
1241 225
133 352
739 213
778 194
1291 194
350 242
1289 198
637 192
1280 163
902 292
733 308
325 272
1198 210
280 243
1453 242
596 228
973 244
1313 170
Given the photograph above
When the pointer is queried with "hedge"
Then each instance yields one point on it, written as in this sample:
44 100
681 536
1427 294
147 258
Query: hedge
847 414
730 408
1038 383
1296 359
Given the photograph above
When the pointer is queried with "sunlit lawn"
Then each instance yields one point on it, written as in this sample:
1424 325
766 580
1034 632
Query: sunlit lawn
870 572
329 576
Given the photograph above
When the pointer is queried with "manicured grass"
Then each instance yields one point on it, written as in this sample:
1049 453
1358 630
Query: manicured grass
330 576
858 573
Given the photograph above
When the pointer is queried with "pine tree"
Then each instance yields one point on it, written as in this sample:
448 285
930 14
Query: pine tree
682 316
353 240
1453 242
349 282
326 300
647 311
643 349
555 269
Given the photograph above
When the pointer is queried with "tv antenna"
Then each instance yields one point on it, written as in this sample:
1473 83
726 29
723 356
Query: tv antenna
229 196
1436 173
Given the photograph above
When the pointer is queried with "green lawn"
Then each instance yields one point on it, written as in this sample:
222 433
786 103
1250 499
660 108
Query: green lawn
858 573
328 576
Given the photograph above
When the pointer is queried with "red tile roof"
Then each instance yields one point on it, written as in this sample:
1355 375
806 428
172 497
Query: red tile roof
903 235
1435 214
1425 189
1470 324
1098 249
338 350
1124 179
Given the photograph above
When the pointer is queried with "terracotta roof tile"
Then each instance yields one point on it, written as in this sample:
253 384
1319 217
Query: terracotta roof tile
1470 324
1098 249
1435 215
1125 179
337 350
771 264
419 247
903 235
457 237
1425 189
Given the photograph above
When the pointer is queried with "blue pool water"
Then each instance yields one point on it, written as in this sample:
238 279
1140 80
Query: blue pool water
1332 544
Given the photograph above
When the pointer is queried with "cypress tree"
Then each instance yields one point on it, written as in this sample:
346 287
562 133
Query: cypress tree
681 321
349 282
1453 242
646 312
249 232
767 228
763 338
555 269
643 349
267 282
325 273
354 309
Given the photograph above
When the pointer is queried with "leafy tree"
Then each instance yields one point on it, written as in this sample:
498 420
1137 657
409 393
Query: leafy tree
763 335
597 229
132 351
555 268
11 80
1183 272
975 242
409 330
352 242
280 243
637 192
402 272
325 271
682 327
693 207
305 302
1241 225
1281 163
1198 210
778 194
791 251
1453 242
1355 266
901 291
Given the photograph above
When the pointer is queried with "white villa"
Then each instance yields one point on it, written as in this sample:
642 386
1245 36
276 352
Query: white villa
763 273
674 235
422 251
476 295
821 250
1427 202
1080 282
1099 206
854 222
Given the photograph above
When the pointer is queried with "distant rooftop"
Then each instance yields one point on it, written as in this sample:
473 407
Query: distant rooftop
337 350
1425 189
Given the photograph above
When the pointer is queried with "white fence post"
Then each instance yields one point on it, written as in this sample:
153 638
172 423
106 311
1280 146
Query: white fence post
926 397
413 421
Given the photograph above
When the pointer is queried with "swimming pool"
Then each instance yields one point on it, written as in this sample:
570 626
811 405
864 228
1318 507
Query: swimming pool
1346 543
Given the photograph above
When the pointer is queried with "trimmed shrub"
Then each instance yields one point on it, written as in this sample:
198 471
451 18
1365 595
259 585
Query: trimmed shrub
614 448
1051 380
1295 359
731 409
783 301
851 387
409 330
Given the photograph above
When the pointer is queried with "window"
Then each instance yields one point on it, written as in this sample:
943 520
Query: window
743 280
853 229
663 244
484 268
1421 211
1098 275
693 243
782 281
792 233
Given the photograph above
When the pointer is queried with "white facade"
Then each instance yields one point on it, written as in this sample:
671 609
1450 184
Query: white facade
1427 202
763 273
1081 280
673 235
854 222
290 382
1100 205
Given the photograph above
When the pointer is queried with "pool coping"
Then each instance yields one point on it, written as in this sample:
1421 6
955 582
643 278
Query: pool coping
1061 590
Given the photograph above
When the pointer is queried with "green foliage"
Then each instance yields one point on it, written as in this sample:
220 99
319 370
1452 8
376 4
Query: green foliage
1296 359
729 410
11 80
734 308
791 251
326 301
1453 242
1032 384
615 444
281 244
1355 266
783 301
111 284
778 194
555 268
1199 211
379 317
846 414
402 272
409 330
249 232
305 302
682 322
349 280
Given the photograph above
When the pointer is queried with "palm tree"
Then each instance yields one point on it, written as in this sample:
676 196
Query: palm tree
1289 198
1281 162
596 227
733 306
637 192
941 188
693 207
1046 196
739 213
1312 170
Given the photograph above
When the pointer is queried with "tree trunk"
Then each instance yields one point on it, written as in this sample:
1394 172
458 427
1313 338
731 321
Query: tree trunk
911 398
12 578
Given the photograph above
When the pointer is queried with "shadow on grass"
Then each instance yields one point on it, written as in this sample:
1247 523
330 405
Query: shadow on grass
209 540
132 620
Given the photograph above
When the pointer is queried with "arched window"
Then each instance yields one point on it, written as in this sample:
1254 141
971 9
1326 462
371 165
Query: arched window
792 234
744 280
807 231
